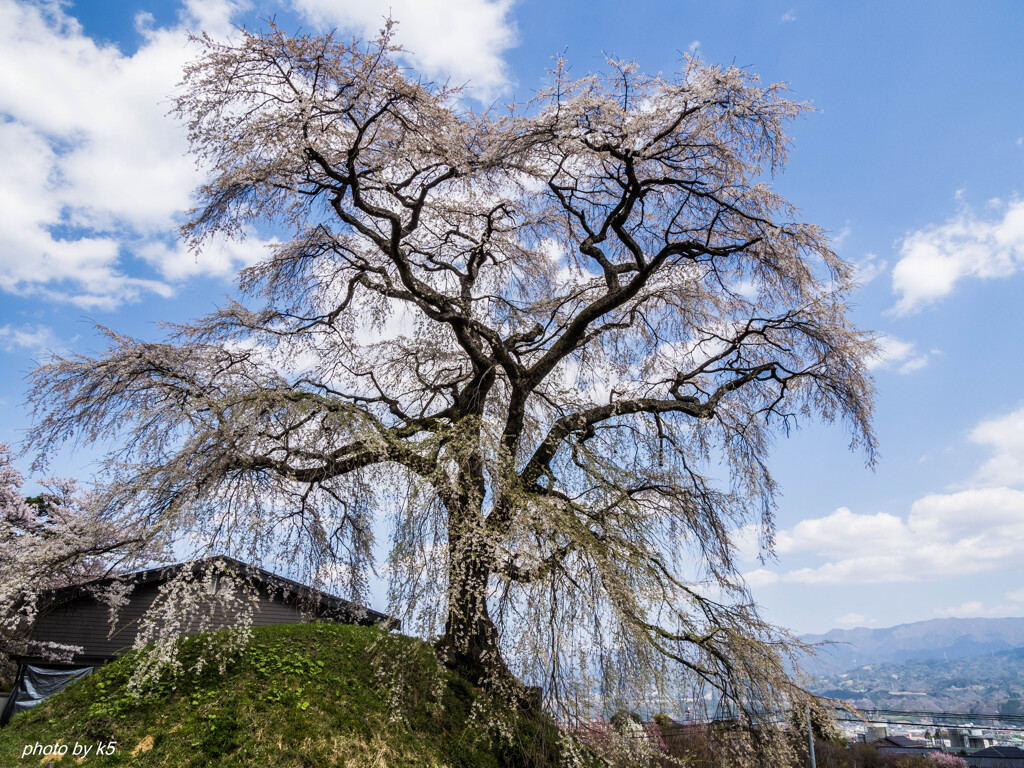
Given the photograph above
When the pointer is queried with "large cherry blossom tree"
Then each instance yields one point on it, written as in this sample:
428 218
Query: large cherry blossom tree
549 344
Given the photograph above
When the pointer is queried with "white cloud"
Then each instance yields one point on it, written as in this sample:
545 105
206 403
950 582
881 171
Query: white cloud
974 609
891 349
463 40
95 172
990 513
789 15
839 533
901 355
933 260
869 268
97 176
979 529
34 259
914 364
220 257
853 620
38 339
1016 596
760 577
747 541
1005 435
694 46
845 232
969 532
970 608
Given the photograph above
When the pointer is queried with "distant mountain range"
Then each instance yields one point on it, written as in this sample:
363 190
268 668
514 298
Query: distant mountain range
966 665
934 639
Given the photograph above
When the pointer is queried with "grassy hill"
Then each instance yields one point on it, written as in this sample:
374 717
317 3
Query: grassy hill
302 695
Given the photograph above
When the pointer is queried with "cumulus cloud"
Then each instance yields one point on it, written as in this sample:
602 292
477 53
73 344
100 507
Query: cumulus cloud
1005 435
760 577
969 532
902 356
933 260
96 174
839 239
747 543
869 267
974 609
838 533
789 15
220 257
38 339
460 40
979 529
853 620
970 608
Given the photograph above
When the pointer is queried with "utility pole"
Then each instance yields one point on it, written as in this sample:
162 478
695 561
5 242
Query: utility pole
810 737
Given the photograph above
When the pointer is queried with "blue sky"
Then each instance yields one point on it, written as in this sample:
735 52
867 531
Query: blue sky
913 161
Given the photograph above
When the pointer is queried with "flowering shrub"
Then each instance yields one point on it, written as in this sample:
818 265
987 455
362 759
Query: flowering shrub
50 541
947 760
622 741
188 604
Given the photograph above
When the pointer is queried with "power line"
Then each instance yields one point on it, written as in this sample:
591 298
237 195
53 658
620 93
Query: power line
677 727
997 722
882 714
936 724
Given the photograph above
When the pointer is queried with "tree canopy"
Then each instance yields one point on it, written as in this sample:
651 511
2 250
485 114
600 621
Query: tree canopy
549 343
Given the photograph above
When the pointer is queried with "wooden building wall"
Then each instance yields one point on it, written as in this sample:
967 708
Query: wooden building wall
84 621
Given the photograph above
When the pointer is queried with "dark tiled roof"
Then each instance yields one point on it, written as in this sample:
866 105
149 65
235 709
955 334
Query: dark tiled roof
1016 752
899 741
291 591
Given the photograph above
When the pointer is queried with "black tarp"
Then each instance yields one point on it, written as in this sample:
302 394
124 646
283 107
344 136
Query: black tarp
36 684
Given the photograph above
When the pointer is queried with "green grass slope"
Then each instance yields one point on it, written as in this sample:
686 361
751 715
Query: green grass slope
302 695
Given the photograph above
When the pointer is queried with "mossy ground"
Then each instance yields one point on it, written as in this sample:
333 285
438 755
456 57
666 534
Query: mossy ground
301 695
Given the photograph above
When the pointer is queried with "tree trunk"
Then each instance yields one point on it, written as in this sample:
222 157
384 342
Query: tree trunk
470 641
470 644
